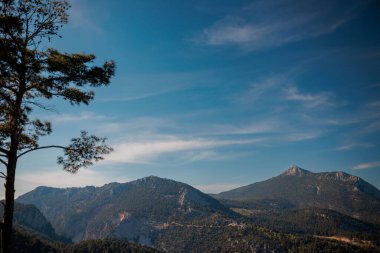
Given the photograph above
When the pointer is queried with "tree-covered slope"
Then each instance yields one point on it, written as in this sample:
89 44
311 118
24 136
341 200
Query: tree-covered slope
316 221
298 188
26 242
131 210
29 217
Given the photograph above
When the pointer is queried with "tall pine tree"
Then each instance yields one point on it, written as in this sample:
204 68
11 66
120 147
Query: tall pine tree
30 74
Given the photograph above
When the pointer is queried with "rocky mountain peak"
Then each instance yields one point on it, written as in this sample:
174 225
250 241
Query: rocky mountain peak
294 170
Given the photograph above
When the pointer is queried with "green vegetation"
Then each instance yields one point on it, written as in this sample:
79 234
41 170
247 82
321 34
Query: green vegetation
25 242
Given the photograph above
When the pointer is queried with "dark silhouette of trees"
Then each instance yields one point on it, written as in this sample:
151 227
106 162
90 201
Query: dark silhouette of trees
30 74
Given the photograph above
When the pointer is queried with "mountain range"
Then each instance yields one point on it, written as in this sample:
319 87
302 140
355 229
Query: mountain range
299 188
296 210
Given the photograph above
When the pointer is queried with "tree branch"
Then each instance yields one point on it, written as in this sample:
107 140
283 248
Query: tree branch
3 150
2 175
3 162
43 147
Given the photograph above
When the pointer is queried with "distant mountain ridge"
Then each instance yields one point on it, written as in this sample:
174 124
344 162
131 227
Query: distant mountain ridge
299 188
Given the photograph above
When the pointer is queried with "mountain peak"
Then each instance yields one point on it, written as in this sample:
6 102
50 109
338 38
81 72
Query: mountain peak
152 178
294 170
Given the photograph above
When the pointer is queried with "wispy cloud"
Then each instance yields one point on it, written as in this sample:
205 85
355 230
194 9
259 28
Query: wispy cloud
126 98
365 166
280 88
310 100
138 87
372 127
82 15
352 146
77 117
258 89
374 104
265 126
145 151
302 136
212 155
271 23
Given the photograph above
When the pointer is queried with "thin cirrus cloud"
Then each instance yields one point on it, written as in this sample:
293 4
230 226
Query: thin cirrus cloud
302 136
147 151
211 155
352 146
266 126
87 16
257 90
78 117
265 24
284 89
365 166
311 100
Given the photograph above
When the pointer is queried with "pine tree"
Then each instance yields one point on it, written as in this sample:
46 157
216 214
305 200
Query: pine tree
30 74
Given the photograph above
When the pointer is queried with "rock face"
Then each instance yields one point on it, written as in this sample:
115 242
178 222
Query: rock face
295 171
299 188
134 210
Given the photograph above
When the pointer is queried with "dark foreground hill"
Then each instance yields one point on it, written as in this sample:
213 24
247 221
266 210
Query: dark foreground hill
26 242
28 217
318 222
298 188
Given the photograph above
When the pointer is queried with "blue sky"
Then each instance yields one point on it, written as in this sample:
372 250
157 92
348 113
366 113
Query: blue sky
219 94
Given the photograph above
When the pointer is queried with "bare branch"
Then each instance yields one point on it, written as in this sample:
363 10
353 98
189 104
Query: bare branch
3 162
43 147
2 150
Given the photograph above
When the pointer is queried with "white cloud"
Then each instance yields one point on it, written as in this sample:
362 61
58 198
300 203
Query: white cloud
151 85
267 85
82 15
260 127
279 88
302 136
372 127
310 100
272 23
352 146
144 151
364 166
233 31
211 155
78 117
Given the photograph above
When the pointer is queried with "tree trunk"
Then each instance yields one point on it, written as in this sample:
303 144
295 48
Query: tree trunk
9 204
